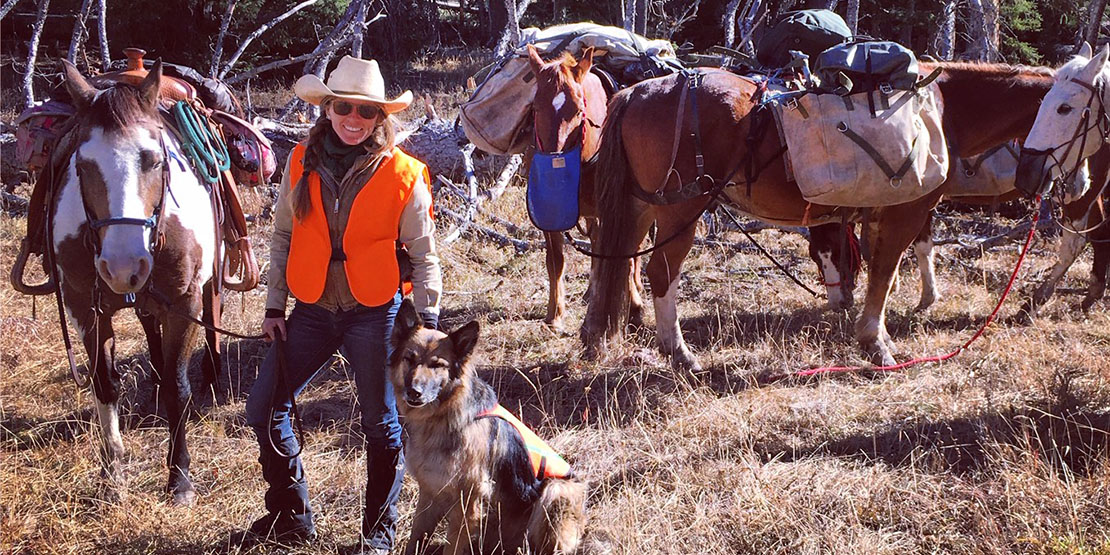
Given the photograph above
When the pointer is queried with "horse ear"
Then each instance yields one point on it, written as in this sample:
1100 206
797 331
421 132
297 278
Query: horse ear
1085 50
80 91
584 64
151 85
1089 73
534 58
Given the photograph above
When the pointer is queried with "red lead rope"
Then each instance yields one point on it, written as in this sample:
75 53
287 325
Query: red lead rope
940 358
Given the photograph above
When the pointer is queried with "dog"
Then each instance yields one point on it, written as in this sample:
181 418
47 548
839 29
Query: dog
501 489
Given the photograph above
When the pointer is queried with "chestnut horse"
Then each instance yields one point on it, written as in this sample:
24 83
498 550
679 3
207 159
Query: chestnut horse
982 105
133 226
568 111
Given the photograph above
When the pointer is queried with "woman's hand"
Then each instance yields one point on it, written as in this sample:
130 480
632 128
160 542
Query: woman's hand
273 327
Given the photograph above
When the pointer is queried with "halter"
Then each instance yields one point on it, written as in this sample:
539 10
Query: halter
154 222
1082 129
570 145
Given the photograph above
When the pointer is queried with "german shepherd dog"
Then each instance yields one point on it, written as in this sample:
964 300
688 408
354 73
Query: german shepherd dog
472 463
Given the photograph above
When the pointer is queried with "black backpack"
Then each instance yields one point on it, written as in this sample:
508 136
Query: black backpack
868 65
807 31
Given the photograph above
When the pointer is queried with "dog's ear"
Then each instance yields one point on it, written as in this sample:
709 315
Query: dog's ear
404 326
463 341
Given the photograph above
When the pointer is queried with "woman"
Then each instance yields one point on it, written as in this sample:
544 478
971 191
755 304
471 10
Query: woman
349 200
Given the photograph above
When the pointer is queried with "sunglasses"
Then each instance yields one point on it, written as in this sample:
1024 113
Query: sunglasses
365 111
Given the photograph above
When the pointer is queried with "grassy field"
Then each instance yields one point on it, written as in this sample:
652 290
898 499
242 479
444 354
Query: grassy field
1003 449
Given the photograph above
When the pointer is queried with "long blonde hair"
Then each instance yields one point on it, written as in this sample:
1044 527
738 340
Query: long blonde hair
383 137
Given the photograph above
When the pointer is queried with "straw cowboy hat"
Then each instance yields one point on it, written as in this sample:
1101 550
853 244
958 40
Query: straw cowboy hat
352 79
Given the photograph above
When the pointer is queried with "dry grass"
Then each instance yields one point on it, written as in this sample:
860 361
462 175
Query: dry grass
1004 449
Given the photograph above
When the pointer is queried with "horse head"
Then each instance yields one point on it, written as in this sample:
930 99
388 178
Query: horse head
569 103
1072 122
118 169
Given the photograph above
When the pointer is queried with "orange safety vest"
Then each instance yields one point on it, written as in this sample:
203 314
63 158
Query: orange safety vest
546 463
369 241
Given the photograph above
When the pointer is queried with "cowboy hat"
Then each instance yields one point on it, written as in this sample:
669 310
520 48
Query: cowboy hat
353 79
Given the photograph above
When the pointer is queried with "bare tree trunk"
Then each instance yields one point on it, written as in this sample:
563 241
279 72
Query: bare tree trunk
728 22
990 22
853 16
977 30
80 31
628 16
510 36
905 34
7 7
343 31
360 18
1094 22
217 56
947 32
255 34
102 26
33 49
641 17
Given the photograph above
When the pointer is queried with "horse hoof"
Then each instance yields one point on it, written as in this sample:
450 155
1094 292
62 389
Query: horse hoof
684 360
879 354
184 498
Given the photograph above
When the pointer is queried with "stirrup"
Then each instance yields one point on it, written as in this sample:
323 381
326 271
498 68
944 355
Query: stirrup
16 277
239 260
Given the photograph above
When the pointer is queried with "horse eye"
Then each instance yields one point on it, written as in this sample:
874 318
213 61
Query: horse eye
1064 110
150 160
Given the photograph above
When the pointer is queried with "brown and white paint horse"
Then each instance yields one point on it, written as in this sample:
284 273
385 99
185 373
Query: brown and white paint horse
983 105
127 178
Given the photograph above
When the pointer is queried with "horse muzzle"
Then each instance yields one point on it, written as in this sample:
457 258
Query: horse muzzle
125 274
1034 172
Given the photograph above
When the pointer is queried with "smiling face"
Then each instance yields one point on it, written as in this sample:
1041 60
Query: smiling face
349 122
426 366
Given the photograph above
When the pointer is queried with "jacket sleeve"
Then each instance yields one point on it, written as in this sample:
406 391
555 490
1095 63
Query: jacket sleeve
417 233
277 292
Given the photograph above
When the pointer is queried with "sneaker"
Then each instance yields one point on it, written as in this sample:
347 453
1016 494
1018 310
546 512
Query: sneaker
283 528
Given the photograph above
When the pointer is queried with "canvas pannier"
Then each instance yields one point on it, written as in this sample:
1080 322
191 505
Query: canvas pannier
841 155
496 117
990 174
867 66
807 31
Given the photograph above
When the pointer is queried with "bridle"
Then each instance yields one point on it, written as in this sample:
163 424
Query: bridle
1101 121
570 144
154 222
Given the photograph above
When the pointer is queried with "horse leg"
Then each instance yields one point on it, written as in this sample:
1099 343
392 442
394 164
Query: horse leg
1097 286
926 264
177 341
153 330
210 314
894 228
99 340
635 293
556 296
663 272
824 241
1071 245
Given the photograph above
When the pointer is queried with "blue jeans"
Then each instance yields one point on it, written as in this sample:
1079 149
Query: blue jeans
313 335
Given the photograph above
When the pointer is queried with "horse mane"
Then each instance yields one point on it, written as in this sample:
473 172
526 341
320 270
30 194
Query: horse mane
118 107
1072 67
985 68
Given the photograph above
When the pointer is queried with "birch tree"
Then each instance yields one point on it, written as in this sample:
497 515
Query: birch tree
1094 21
33 48
947 32
7 7
80 31
214 66
853 16
102 28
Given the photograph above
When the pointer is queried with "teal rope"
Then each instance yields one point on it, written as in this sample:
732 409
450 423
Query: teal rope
205 149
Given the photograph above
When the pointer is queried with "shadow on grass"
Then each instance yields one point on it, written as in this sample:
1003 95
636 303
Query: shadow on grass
1065 434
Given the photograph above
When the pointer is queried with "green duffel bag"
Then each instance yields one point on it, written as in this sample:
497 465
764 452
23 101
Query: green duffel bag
866 66
807 31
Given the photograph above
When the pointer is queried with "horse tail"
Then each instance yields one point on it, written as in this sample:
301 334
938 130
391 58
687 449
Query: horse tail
609 298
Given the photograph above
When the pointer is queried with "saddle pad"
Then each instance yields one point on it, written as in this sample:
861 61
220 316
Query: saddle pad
841 155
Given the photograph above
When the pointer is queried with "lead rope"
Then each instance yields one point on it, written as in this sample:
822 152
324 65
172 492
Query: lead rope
940 358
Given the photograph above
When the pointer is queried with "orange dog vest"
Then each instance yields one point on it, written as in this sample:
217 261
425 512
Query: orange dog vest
546 463
369 242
